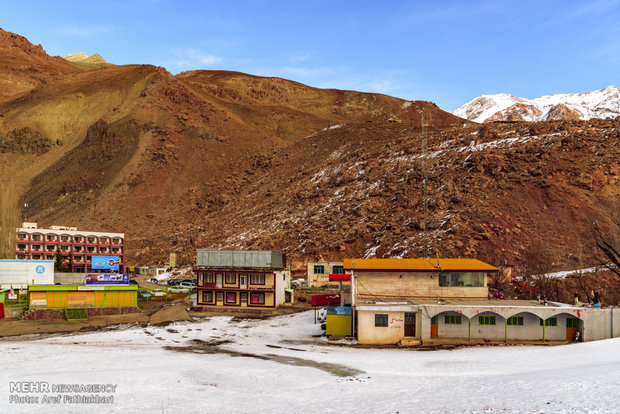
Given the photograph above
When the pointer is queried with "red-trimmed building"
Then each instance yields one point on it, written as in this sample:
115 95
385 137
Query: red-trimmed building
242 279
76 247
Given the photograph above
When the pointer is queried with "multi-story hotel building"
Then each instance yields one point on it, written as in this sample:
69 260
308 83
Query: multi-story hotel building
76 247
243 279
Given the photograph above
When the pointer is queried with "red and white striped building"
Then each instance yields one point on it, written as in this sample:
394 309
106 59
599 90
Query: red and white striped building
76 247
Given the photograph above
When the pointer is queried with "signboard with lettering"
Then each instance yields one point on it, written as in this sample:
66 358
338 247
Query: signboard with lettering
318 300
337 277
107 279
105 262
173 260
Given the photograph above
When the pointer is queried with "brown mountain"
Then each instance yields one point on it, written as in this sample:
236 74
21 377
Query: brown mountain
225 159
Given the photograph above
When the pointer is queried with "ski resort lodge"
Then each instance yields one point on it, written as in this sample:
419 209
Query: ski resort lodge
414 301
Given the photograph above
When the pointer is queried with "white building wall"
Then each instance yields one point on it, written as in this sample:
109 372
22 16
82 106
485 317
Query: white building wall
282 281
445 330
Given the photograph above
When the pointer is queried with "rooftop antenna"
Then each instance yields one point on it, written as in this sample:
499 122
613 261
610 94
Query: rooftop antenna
425 169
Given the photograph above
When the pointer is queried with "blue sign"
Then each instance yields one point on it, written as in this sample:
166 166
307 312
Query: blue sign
105 262
107 279
39 269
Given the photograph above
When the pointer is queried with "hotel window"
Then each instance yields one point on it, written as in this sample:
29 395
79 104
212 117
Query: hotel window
319 269
453 319
338 270
550 322
381 319
207 277
36 237
486 320
50 237
515 321
572 323
22 236
231 297
461 279
207 297
257 279
257 298
231 278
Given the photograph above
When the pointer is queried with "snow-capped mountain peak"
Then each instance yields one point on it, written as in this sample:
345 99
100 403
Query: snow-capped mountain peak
604 103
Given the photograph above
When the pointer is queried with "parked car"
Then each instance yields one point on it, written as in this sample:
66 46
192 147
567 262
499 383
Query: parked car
144 294
158 292
178 289
187 284
174 282
134 282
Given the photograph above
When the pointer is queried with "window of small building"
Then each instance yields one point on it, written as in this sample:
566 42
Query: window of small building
207 277
572 323
319 269
231 278
22 236
515 321
257 279
231 297
461 279
453 319
381 319
339 270
550 322
207 297
486 320
257 298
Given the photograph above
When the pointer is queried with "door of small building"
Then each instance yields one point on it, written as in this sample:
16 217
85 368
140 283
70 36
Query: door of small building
434 326
218 280
572 327
243 281
244 298
409 324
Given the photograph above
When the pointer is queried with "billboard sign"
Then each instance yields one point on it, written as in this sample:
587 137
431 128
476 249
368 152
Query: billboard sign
21 273
336 277
105 262
107 279
318 300
173 260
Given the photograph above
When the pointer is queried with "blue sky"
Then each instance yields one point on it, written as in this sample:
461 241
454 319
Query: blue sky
448 52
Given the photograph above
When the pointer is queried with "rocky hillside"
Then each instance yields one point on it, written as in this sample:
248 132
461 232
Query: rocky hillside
604 103
225 159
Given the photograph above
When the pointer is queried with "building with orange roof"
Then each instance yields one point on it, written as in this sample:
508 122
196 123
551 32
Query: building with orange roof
445 300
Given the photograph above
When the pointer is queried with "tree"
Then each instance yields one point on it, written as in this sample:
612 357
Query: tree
9 219
606 242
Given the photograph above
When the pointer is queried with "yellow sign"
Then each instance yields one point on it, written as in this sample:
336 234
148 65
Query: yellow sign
173 260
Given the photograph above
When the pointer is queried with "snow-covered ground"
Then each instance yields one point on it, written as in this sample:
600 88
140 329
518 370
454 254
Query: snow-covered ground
276 365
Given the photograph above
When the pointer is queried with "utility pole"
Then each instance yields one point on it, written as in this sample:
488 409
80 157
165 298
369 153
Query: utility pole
425 169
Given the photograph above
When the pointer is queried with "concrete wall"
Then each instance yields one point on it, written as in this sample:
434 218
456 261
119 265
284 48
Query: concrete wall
282 281
595 323
368 333
448 330
412 284
69 278
531 329
601 324
322 279
496 331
